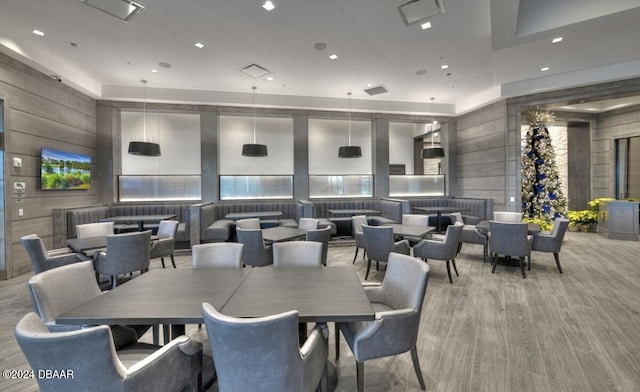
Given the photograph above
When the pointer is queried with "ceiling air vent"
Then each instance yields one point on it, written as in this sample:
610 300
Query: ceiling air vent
376 90
255 71
122 9
416 11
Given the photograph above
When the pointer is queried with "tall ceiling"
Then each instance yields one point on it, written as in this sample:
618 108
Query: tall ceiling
493 49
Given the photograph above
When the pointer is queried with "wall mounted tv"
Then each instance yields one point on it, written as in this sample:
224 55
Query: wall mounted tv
64 170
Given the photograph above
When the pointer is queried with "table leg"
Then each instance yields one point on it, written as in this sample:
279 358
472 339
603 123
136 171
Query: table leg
140 226
439 217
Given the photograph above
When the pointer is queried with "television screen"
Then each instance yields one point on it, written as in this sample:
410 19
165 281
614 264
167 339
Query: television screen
64 170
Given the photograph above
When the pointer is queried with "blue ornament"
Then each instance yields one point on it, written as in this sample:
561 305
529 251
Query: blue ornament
552 196
546 209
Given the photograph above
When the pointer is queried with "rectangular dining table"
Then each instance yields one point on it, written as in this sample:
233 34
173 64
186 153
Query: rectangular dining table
89 245
439 210
253 214
410 230
282 233
139 219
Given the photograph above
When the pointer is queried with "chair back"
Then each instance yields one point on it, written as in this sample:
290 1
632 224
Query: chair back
217 255
260 353
507 216
308 224
89 353
168 229
378 241
129 252
356 222
553 241
297 254
254 253
323 236
36 251
509 238
55 291
248 224
415 220
98 229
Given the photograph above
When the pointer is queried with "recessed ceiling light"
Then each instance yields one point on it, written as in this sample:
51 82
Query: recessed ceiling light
270 78
369 84
154 71
199 45
444 66
268 5
38 32
333 56
426 25
543 69
556 40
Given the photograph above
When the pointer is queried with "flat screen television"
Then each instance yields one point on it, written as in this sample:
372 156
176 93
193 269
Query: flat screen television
64 170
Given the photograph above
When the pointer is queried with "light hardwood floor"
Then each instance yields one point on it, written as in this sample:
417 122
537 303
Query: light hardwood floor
576 331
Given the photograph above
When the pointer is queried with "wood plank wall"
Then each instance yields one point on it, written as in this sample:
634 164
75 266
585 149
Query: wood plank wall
40 112
621 123
482 167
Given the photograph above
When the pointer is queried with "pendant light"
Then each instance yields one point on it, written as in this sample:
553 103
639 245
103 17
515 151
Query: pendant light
432 152
349 151
254 149
144 148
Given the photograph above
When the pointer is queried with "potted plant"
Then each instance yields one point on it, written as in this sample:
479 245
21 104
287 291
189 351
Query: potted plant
582 220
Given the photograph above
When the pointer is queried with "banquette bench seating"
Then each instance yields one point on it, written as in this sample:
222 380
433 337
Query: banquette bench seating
66 219
473 210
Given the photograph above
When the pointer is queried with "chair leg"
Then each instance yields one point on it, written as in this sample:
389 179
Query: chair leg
368 268
162 261
155 330
360 375
494 262
557 257
453 262
529 263
485 251
416 367
449 272
522 267
459 248
355 256
337 339
173 261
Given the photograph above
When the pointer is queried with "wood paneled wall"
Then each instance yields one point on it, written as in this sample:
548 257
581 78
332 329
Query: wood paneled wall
40 112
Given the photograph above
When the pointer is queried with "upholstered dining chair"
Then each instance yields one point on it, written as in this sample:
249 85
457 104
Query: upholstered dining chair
297 254
217 255
264 353
323 236
356 224
471 235
511 240
43 260
551 242
397 303
415 220
87 360
126 253
308 223
97 229
248 224
166 242
507 216
255 253
447 249
59 290
379 243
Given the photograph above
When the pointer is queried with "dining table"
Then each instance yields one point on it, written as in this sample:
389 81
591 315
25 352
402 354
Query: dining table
410 230
253 214
439 210
282 233
89 245
139 219
484 227
352 211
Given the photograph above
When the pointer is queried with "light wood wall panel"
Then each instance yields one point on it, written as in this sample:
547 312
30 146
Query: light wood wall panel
42 112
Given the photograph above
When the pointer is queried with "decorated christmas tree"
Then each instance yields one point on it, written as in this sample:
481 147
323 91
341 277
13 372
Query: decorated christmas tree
542 197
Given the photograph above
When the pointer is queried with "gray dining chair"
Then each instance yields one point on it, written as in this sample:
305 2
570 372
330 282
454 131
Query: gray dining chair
323 236
217 255
397 303
166 243
507 216
356 224
511 240
379 243
551 242
126 253
90 361
264 353
255 253
248 224
415 220
308 223
471 235
43 260
297 254
446 250
97 229
59 290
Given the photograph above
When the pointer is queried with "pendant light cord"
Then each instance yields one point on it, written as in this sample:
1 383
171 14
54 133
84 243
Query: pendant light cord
349 114
254 114
432 124
144 110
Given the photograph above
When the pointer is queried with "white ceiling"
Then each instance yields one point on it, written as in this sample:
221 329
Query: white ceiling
494 49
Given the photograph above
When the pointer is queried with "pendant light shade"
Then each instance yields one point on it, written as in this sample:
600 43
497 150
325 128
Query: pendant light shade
254 149
432 152
144 148
349 151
